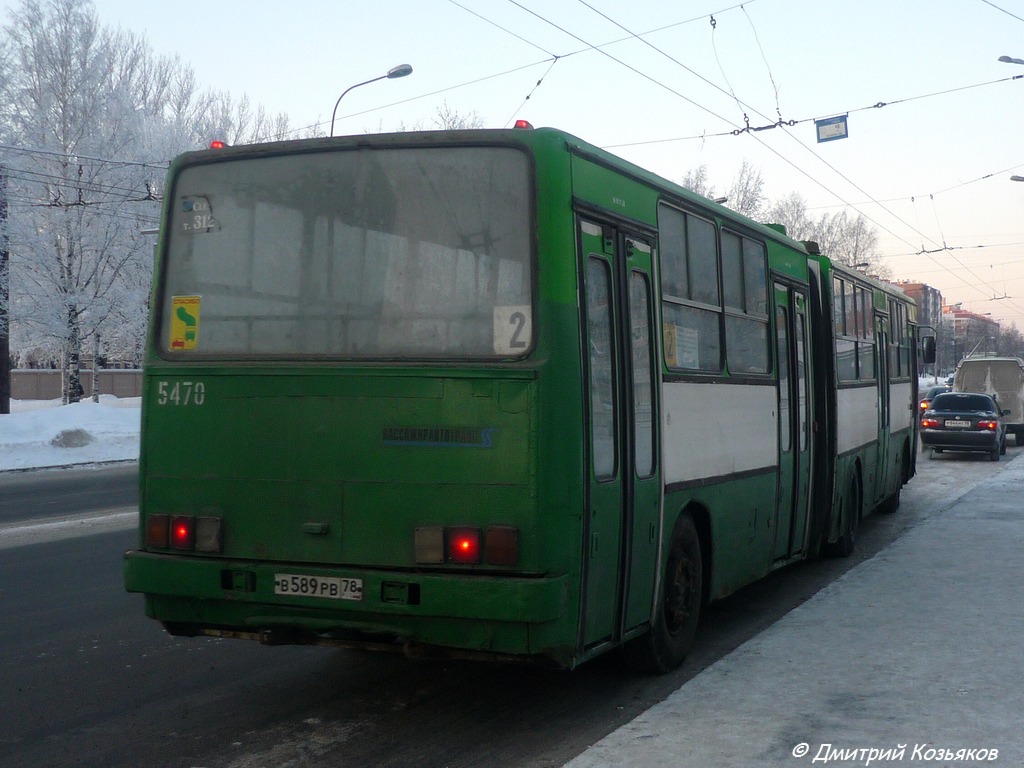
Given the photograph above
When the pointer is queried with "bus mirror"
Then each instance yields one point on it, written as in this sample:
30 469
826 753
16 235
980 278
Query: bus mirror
928 349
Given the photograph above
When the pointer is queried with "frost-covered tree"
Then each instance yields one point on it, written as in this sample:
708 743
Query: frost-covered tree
696 180
448 119
69 105
791 212
745 194
850 240
90 118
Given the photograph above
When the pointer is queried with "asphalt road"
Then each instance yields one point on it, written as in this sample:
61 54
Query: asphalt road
87 680
50 493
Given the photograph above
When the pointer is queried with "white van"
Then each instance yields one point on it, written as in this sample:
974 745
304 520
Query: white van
1002 377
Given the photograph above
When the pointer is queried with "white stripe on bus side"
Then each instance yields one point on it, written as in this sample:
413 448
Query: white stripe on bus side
712 430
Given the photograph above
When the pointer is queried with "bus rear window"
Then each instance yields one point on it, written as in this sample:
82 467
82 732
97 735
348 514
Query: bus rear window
370 253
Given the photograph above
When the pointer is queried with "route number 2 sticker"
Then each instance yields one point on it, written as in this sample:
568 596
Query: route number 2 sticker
513 330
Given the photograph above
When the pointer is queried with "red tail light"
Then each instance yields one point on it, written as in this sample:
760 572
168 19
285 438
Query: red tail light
183 532
464 545
993 425
929 423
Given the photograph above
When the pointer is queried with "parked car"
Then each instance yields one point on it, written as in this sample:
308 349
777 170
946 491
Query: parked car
929 395
964 421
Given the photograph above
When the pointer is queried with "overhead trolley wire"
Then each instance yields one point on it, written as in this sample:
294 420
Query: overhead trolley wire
1002 10
74 184
75 157
766 146
801 144
551 58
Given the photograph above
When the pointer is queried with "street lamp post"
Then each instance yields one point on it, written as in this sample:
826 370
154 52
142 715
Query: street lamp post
1010 60
400 71
5 344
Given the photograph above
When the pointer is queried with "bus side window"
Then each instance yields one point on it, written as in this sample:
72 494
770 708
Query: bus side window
692 305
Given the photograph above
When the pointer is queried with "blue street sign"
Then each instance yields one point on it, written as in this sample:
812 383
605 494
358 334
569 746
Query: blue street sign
831 128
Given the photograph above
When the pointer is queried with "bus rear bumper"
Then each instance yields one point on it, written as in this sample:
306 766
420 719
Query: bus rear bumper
512 615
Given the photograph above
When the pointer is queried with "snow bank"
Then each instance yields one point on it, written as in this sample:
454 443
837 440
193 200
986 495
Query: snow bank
44 433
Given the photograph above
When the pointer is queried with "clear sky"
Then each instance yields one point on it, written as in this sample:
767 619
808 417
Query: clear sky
930 170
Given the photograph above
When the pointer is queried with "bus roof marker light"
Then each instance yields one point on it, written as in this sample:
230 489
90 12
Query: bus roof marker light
523 124
217 144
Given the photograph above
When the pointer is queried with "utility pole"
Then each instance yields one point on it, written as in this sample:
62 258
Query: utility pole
5 295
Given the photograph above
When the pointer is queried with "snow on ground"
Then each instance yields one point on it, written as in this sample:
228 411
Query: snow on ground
44 433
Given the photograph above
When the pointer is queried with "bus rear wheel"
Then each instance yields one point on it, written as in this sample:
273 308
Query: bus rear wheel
851 512
664 646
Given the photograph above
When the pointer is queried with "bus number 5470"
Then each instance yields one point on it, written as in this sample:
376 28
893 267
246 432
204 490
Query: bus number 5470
180 393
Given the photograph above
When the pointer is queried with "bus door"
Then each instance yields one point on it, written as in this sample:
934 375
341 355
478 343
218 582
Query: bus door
885 472
794 395
622 431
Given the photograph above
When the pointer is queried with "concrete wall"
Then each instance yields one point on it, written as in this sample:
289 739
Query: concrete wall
40 384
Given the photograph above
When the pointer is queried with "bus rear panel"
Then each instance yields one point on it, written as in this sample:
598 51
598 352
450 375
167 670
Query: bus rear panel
340 432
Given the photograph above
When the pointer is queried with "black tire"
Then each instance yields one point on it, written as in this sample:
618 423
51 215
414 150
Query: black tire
851 512
664 646
993 455
892 503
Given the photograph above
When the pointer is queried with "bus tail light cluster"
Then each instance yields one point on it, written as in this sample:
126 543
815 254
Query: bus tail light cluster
467 545
185 533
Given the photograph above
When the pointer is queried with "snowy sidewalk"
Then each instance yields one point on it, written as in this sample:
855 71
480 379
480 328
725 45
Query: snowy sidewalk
914 656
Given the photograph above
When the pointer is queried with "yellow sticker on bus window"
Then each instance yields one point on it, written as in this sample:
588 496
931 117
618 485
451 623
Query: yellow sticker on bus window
671 358
185 322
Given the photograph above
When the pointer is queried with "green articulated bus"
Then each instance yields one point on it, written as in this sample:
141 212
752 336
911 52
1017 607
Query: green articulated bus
495 394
